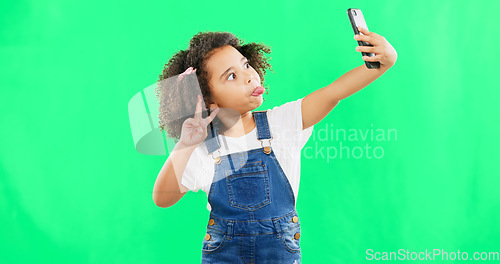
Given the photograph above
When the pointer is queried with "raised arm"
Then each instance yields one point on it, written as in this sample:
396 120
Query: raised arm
319 103
168 188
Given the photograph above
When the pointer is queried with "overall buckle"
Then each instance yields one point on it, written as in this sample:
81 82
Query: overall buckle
267 149
217 159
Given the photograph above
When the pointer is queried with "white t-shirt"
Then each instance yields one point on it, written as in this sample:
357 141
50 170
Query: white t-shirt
285 122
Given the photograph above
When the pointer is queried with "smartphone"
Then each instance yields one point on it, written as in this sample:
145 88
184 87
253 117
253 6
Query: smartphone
357 20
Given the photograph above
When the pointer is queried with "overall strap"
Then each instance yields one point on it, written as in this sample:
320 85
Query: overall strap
263 131
212 140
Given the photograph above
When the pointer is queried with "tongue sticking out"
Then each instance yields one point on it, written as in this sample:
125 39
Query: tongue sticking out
258 91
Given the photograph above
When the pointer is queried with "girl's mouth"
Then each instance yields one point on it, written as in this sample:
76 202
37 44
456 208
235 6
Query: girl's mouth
258 91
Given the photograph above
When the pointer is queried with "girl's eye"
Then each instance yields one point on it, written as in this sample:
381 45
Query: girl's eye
233 72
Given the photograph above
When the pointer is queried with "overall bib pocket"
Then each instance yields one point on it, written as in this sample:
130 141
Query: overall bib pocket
248 187
213 241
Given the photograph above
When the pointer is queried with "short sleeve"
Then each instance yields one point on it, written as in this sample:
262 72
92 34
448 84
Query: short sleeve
304 134
192 172
288 118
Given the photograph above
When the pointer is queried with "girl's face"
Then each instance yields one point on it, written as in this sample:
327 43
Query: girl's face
233 80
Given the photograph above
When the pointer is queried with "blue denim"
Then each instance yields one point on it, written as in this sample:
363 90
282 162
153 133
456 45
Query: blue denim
253 217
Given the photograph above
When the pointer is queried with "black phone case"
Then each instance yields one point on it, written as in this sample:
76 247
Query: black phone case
369 64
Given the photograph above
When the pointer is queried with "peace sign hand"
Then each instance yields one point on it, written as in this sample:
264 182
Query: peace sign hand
194 129
384 52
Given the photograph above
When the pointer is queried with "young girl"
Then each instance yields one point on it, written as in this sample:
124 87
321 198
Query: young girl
248 162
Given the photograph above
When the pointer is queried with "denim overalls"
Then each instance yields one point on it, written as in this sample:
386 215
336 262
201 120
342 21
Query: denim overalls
253 217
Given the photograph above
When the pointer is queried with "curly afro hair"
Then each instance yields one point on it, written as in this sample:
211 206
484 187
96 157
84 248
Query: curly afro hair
176 101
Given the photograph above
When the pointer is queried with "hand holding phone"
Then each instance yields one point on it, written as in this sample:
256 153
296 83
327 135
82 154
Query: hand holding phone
357 20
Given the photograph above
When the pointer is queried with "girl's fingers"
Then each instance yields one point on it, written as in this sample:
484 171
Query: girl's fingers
197 113
186 72
369 33
209 119
189 71
374 58
364 31
369 39
367 49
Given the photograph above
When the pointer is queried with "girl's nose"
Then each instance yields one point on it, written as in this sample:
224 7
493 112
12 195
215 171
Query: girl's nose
250 78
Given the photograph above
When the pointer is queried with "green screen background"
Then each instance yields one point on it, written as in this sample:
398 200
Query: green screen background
73 189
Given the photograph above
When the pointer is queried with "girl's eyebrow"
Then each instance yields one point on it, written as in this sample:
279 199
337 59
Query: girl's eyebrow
224 73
